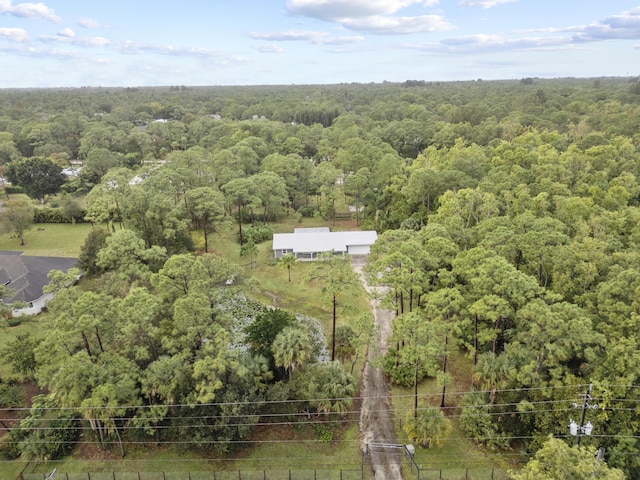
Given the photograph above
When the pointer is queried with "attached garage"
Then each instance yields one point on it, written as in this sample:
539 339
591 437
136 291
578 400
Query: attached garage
358 249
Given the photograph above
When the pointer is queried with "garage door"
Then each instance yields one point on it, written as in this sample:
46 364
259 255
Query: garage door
358 249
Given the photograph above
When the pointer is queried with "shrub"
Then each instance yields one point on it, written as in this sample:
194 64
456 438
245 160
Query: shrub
48 433
13 189
323 432
10 445
258 233
429 428
307 211
53 442
478 422
14 321
11 394
57 215
402 374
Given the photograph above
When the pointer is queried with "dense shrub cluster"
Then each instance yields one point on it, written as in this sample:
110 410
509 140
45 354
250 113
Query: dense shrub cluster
13 189
258 233
57 215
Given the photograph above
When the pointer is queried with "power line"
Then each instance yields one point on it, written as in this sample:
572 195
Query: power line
297 401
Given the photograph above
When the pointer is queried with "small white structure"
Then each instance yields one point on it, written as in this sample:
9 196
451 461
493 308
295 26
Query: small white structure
308 243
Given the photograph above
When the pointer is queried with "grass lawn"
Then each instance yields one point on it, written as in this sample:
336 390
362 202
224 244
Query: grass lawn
49 240
272 282
277 450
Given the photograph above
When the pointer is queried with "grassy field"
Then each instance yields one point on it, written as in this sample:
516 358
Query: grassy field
273 450
273 287
49 240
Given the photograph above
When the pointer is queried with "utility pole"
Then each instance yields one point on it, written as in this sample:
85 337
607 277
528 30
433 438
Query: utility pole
578 430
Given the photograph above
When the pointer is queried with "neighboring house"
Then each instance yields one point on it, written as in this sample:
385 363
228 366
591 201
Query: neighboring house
27 276
308 243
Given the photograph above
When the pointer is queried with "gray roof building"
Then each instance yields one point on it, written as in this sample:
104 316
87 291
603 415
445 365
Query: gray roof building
27 276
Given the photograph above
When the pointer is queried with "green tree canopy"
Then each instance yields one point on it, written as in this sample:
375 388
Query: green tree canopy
557 461
38 176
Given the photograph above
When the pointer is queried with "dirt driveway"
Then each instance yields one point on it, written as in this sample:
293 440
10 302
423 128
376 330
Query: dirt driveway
376 418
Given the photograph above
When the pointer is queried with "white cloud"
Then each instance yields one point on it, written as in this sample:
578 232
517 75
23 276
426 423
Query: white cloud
271 48
335 10
312 36
371 16
398 25
214 56
70 38
92 42
88 23
58 53
17 49
484 3
623 26
67 32
28 10
339 40
290 35
14 34
485 43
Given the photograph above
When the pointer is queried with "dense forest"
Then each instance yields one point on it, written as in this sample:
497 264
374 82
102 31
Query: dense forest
508 219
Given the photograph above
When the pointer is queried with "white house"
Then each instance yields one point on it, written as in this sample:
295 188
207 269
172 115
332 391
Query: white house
307 243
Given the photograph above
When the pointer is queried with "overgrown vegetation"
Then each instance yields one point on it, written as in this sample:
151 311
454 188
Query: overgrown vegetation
508 219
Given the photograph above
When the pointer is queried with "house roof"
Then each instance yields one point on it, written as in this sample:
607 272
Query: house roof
311 230
322 241
27 276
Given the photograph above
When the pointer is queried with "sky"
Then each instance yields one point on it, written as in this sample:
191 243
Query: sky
71 43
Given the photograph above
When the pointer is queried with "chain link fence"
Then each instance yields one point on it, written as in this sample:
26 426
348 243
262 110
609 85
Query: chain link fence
355 474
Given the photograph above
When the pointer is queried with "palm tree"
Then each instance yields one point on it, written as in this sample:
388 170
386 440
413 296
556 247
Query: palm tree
492 373
429 428
258 368
330 388
291 348
287 261
345 348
